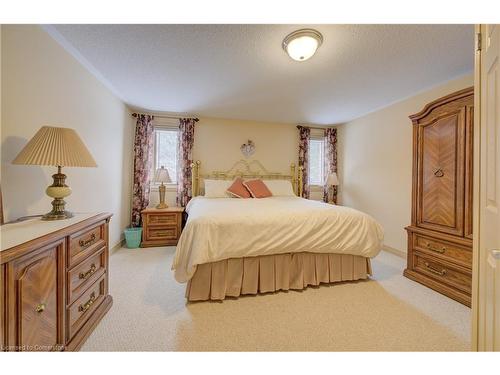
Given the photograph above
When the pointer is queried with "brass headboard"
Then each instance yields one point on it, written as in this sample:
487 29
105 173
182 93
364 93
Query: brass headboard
246 169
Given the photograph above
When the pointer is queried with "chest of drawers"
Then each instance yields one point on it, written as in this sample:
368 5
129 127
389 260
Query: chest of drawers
54 288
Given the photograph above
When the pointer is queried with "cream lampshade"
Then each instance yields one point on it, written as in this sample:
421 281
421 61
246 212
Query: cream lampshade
331 180
162 176
58 147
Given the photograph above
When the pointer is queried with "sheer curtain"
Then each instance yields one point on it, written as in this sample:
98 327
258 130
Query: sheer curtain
143 155
185 158
330 160
304 136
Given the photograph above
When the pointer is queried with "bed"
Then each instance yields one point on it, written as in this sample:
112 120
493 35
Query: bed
231 247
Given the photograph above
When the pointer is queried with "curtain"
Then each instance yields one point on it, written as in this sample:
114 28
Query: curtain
185 158
143 149
304 136
330 160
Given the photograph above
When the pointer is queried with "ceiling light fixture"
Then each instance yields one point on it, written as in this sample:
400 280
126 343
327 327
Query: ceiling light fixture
302 44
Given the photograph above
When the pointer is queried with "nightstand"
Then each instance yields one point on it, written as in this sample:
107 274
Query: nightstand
161 227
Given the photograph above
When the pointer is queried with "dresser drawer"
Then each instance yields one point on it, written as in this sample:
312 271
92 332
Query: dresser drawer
168 218
167 233
85 243
81 310
444 250
84 274
460 279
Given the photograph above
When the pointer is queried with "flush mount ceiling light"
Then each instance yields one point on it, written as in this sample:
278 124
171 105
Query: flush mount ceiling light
302 44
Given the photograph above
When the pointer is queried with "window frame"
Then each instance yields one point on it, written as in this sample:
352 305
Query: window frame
316 187
164 125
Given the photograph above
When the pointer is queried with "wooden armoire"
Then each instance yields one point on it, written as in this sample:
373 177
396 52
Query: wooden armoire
440 234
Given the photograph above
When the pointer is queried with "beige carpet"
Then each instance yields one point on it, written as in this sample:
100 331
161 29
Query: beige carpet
386 313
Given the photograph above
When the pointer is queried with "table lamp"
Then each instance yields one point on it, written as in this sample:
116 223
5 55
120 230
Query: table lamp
58 147
162 176
331 180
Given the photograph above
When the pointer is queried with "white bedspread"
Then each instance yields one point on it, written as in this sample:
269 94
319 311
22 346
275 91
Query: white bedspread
222 228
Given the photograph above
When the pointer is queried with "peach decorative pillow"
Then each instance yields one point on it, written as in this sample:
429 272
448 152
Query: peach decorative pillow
257 188
239 190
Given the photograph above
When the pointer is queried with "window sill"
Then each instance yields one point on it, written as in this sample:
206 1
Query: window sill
316 187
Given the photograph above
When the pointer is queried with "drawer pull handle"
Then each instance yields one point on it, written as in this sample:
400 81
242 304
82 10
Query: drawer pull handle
40 307
436 249
161 220
87 243
90 272
162 234
86 305
433 270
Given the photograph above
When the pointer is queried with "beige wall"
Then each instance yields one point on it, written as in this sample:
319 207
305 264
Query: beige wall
217 145
44 85
375 161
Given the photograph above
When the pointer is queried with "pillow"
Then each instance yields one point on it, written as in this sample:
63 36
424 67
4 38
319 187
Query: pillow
239 190
280 188
217 188
257 188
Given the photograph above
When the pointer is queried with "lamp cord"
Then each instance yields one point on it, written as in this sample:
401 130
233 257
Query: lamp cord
22 218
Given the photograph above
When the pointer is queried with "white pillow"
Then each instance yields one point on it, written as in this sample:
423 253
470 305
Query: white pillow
217 188
280 188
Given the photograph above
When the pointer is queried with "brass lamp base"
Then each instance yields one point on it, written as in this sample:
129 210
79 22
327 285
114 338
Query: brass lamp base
58 190
330 195
57 215
162 189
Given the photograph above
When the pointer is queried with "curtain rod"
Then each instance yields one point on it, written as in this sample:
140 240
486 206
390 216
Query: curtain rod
196 119
317 128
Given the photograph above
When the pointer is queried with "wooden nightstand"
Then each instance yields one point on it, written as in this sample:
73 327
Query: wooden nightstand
161 227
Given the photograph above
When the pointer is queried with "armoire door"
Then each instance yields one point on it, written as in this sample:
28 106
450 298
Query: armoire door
35 305
441 171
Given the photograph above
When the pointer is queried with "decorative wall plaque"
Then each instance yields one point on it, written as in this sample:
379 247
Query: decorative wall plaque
248 149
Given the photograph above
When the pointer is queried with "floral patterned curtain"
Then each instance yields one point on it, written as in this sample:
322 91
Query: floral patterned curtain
330 160
185 158
304 136
143 155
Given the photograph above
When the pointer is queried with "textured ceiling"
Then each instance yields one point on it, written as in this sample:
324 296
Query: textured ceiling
241 72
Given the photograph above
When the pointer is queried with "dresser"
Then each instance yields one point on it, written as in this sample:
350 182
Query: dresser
440 234
161 226
54 288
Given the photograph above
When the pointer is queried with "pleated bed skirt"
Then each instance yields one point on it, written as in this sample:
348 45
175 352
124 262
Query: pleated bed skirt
271 273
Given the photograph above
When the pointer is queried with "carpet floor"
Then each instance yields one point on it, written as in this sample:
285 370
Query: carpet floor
386 313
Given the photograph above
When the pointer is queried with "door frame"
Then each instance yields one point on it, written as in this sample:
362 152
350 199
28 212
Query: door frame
476 191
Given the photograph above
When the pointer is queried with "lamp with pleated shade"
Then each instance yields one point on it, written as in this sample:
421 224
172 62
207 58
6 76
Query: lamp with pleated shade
58 147
162 176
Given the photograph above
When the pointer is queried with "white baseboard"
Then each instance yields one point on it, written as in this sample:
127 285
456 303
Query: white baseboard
119 245
399 253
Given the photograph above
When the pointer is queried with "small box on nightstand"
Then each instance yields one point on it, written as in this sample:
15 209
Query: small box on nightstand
161 227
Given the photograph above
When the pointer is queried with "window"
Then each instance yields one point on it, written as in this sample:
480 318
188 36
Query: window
316 161
165 151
